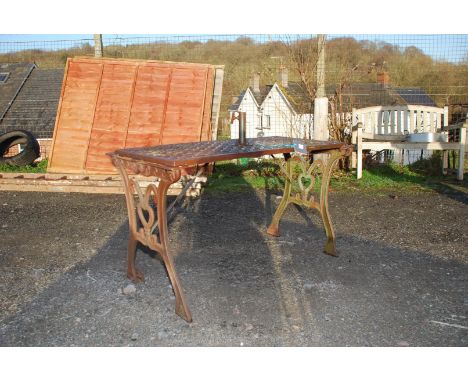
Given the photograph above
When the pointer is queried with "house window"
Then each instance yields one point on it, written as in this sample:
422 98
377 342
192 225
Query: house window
4 77
266 121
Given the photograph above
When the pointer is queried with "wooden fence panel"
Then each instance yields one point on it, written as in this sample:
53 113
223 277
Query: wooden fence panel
108 104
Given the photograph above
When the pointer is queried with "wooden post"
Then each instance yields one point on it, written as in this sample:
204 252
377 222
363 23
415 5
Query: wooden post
217 93
359 152
353 138
98 49
445 157
461 156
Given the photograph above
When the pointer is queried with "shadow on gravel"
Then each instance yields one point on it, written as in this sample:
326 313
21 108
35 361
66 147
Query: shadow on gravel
246 288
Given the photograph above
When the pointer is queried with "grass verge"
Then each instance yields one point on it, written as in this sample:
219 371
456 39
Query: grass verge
230 176
40 167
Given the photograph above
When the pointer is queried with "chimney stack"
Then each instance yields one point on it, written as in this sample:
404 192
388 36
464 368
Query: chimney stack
283 77
383 78
255 82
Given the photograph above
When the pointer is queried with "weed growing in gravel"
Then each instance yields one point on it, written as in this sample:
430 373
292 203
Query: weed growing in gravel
39 167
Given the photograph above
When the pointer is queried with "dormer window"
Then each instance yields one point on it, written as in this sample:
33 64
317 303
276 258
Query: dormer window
4 77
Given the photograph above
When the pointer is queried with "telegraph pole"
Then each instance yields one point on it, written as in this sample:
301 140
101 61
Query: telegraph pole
321 100
98 49
321 66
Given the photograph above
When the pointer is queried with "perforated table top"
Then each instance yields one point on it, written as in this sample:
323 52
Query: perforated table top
196 153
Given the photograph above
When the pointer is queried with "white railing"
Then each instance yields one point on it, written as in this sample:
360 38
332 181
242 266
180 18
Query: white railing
400 120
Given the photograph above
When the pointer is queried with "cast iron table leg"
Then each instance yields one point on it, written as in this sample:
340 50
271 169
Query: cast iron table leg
305 181
144 213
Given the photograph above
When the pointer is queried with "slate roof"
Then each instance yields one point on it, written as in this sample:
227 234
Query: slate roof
414 96
35 107
356 95
360 95
17 74
298 98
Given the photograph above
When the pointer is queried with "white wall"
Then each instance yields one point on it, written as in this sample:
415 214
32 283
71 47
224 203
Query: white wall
283 121
248 105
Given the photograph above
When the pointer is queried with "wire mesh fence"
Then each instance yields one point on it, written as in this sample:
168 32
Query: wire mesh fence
274 77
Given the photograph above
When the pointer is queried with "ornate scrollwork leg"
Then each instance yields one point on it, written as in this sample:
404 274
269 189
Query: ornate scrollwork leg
330 246
181 305
273 229
143 212
305 181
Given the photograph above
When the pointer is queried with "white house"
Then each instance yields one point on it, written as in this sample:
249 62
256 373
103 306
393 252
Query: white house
283 108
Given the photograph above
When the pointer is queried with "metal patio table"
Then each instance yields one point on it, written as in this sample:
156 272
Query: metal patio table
169 162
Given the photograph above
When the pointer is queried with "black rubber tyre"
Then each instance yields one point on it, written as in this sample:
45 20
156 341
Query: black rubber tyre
31 150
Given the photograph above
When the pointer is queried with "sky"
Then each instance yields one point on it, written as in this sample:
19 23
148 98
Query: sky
451 47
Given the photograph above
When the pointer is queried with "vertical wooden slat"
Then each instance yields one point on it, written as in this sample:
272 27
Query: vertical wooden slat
406 121
446 121
376 122
217 94
135 79
399 127
412 124
77 111
385 117
85 154
205 128
392 126
439 121
427 126
57 118
168 90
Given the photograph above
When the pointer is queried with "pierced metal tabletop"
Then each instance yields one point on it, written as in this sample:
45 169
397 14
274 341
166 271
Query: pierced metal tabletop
196 153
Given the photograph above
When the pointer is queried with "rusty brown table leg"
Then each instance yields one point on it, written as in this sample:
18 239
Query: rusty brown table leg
305 181
144 213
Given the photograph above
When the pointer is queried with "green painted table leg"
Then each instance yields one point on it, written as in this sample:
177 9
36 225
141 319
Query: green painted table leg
310 172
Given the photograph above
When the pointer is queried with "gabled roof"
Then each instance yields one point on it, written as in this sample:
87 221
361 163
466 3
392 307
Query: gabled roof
35 107
257 96
356 95
262 94
295 95
298 98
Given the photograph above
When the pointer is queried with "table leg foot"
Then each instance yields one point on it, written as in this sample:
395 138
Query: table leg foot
183 312
132 272
330 248
273 230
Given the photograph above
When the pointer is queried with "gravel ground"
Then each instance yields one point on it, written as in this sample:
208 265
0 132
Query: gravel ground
400 280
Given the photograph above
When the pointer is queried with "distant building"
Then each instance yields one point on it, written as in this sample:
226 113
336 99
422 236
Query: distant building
285 108
29 99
